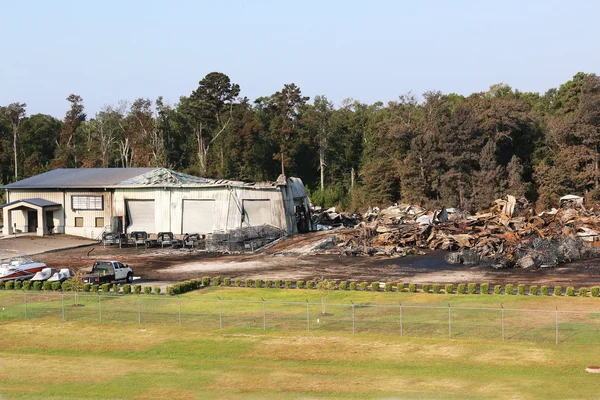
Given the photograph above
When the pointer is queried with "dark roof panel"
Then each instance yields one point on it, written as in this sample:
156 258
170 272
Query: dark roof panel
79 178
35 201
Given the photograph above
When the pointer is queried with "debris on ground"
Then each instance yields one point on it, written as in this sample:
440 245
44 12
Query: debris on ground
510 234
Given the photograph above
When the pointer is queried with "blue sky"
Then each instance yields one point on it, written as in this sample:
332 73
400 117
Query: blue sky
107 50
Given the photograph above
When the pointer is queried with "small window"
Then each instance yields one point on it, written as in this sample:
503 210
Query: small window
78 222
87 203
99 222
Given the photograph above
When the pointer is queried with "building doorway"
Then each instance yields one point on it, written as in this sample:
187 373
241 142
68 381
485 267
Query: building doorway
32 221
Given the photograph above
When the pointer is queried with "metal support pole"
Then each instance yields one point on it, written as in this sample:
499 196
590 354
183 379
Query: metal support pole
449 323
139 311
264 315
353 321
308 315
25 295
556 324
502 322
220 313
401 333
179 298
99 308
63 306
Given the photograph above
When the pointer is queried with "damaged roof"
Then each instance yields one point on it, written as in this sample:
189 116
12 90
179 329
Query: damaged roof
70 178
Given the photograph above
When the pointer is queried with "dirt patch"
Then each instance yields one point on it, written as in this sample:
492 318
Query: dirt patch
172 265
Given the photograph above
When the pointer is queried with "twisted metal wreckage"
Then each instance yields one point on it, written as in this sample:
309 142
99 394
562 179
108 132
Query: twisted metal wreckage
510 234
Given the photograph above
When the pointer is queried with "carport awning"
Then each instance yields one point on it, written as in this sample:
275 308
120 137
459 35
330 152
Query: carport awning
35 203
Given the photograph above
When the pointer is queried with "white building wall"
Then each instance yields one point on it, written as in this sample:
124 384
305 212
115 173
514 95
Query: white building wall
64 219
168 204
20 217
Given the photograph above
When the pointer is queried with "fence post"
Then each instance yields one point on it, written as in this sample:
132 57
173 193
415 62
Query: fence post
449 323
25 296
63 306
353 328
264 315
556 323
179 298
502 321
308 315
400 319
220 313
99 308
139 310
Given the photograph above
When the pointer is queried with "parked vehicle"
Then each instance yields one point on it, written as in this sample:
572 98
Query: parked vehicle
109 271
62 275
15 265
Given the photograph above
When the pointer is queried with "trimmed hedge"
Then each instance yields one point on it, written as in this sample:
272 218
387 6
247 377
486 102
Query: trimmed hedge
56 286
484 288
205 281
37 285
533 290
497 289
437 288
216 281
595 291
352 285
310 284
147 289
343 285
47 285
426 287
95 288
237 282
412 287
10 285
300 284
249 283
557 291
227 281
570 291
126 288
545 290
363 286
288 284
375 286
181 287
27 285
460 289
156 289
105 287
137 289
521 289
115 288
472 287
509 289
18 285
400 287
268 284
258 283
583 292
449 288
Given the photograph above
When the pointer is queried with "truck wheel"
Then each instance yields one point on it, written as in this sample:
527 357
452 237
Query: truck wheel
129 277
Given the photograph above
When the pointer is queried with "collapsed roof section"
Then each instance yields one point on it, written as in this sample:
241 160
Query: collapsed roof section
109 178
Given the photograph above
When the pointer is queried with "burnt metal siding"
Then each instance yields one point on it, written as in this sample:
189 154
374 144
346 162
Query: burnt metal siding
227 211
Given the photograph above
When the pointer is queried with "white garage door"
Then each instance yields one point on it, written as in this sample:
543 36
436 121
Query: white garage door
140 215
258 212
198 216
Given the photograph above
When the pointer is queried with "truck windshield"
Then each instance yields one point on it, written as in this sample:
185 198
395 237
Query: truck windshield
102 267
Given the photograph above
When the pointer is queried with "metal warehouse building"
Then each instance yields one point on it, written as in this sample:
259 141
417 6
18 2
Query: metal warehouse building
88 201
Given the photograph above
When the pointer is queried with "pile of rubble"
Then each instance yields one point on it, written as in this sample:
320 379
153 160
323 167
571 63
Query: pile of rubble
509 234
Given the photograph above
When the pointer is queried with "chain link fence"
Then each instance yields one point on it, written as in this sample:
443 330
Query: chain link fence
502 324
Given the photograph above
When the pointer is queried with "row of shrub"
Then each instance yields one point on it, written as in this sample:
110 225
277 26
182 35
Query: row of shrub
194 284
470 288
86 287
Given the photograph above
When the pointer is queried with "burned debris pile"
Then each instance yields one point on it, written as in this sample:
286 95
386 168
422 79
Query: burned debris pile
510 234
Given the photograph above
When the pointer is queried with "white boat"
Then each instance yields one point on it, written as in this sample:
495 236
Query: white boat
15 265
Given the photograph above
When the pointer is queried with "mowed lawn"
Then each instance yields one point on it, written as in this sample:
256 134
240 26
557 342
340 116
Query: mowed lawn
46 357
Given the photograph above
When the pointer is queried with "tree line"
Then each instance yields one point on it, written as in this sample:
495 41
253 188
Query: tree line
440 150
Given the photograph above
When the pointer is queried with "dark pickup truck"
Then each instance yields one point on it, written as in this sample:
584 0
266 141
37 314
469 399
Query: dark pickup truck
109 271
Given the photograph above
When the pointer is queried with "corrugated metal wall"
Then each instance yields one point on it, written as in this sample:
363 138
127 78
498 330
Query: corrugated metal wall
64 219
228 204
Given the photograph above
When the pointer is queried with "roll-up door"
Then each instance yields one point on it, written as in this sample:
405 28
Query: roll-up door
258 212
198 216
140 216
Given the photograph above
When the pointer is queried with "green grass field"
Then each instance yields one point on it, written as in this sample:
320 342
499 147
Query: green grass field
45 356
